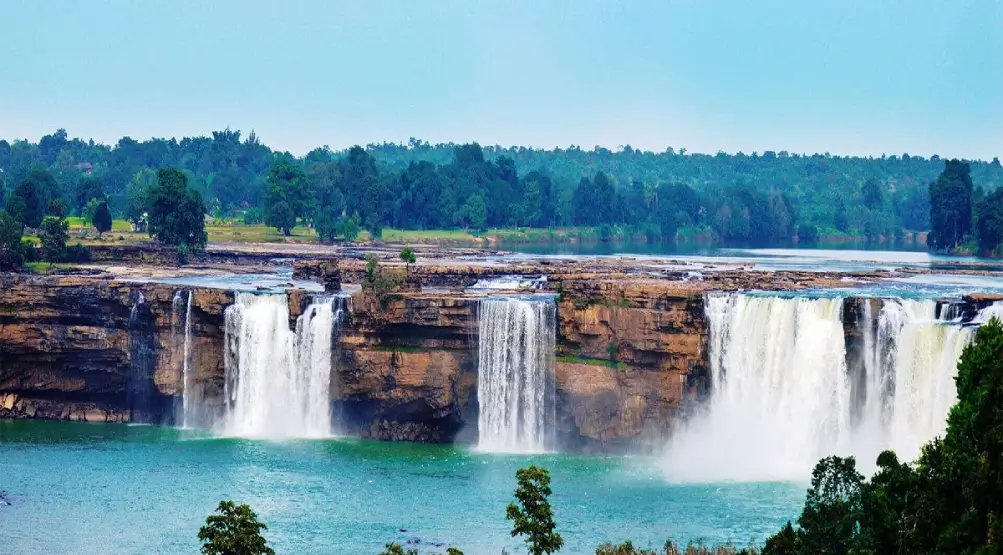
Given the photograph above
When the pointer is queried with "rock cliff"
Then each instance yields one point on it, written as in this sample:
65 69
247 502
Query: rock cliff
631 355
83 348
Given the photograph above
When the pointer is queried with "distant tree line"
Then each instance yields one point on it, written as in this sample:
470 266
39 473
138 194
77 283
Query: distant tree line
768 197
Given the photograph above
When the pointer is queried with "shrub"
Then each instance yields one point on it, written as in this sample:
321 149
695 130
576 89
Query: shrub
533 517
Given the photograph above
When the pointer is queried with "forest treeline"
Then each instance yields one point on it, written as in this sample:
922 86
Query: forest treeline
751 198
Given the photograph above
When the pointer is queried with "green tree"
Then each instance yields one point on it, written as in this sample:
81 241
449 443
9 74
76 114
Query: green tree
832 508
370 192
176 212
785 542
11 248
886 510
807 234
233 530
88 187
15 208
532 517
35 189
950 206
57 208
137 194
973 449
89 209
475 212
324 181
408 257
278 213
287 198
54 235
873 195
102 218
625 548
841 220
350 228
989 226
396 549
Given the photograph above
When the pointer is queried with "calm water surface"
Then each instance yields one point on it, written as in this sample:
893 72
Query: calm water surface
114 489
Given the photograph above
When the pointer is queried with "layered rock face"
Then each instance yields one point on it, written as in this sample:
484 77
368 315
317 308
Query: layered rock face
85 348
631 355
100 350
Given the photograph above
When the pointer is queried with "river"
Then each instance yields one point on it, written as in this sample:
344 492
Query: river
118 489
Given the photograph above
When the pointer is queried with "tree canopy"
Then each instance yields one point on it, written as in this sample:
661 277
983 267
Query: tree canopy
176 212
531 515
233 530
741 197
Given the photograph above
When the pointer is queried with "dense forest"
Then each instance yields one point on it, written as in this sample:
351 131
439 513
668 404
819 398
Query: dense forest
738 198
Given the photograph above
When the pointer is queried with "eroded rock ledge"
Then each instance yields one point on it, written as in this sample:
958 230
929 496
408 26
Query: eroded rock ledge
631 349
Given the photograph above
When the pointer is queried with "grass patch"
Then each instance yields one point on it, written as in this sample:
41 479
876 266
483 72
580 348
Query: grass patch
399 349
77 222
425 235
258 233
44 267
579 359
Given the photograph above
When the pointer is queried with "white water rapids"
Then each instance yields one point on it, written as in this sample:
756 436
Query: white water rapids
278 380
782 395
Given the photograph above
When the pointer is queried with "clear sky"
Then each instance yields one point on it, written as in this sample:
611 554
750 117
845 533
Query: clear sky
847 77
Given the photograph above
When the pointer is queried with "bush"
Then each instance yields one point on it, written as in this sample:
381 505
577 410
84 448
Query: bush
234 531
533 517
625 548
254 216
378 283
54 235
102 218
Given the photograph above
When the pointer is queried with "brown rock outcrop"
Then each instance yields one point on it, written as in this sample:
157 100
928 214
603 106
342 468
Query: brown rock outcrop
70 344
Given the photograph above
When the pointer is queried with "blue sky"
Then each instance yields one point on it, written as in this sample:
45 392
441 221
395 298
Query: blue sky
838 76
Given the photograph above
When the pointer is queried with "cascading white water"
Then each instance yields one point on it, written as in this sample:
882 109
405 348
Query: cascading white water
278 381
780 387
515 374
923 360
190 397
190 401
779 391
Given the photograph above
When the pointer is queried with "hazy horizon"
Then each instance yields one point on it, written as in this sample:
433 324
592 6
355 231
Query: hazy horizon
866 80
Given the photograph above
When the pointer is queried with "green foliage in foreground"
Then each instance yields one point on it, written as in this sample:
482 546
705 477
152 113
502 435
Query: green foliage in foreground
950 501
233 530
396 549
670 548
532 517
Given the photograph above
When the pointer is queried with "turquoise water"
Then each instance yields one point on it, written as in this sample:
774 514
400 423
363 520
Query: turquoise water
114 489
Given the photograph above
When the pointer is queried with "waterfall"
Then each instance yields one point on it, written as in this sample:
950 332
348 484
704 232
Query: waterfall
190 395
278 380
515 374
923 354
142 361
782 395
